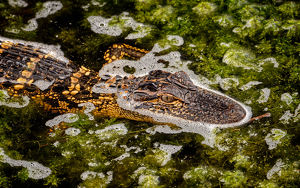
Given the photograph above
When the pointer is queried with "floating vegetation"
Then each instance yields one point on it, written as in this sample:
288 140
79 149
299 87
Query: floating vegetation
273 138
113 26
35 169
240 58
205 8
49 7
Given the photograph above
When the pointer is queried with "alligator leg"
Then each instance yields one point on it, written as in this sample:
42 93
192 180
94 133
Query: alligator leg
118 51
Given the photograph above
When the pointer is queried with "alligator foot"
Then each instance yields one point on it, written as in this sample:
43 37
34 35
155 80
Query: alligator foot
118 51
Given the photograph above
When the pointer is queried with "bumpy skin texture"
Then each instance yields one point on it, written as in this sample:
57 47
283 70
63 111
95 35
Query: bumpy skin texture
25 71
176 95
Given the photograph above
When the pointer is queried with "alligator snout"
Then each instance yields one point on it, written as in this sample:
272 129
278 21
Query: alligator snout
175 95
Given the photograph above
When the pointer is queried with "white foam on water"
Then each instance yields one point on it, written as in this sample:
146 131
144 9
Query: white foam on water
264 97
146 177
225 20
140 29
121 157
49 7
109 131
176 40
169 149
17 3
93 3
72 131
56 143
5 101
148 63
89 107
127 149
225 44
163 129
241 57
103 25
249 85
269 60
288 98
226 83
93 164
149 180
31 26
273 139
223 146
91 174
12 30
35 169
287 116
275 169
68 118
109 176
206 132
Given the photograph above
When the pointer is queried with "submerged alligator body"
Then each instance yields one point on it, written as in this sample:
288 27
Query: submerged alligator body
60 86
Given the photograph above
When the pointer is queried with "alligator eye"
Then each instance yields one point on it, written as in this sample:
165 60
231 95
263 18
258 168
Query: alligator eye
167 98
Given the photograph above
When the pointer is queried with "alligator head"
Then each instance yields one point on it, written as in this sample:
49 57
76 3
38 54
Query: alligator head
175 95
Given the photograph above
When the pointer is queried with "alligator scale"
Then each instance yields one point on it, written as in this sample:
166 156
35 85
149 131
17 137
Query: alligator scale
60 86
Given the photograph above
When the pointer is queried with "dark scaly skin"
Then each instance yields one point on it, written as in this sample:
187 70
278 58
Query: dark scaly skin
21 67
176 95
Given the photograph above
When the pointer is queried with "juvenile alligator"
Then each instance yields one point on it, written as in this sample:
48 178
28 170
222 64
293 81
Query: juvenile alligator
60 87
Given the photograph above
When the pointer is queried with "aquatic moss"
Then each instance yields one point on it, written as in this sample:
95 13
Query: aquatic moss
289 9
202 175
4 181
234 179
268 184
205 8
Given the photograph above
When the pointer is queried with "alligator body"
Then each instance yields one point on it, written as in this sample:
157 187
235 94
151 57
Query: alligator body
60 86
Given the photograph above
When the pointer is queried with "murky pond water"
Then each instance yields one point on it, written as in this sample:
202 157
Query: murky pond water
243 49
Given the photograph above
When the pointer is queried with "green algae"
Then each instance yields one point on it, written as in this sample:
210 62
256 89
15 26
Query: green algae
234 179
243 33
202 175
205 8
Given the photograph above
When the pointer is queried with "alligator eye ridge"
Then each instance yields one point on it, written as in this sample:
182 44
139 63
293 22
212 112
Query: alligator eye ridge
149 86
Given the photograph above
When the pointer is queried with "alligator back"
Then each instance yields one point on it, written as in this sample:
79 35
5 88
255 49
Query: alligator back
57 85
25 64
